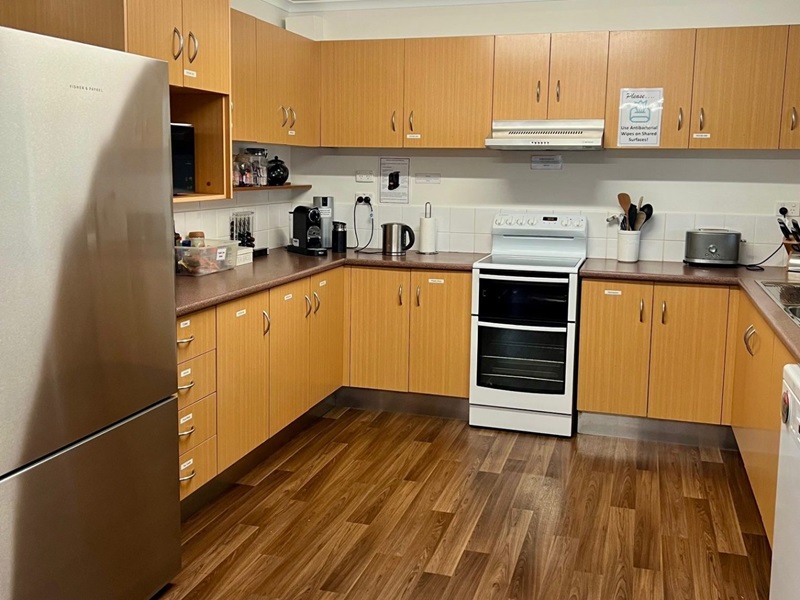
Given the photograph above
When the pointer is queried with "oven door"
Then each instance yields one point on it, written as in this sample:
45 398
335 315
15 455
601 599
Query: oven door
523 367
544 300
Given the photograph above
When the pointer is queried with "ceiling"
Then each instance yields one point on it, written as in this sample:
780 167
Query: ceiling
300 6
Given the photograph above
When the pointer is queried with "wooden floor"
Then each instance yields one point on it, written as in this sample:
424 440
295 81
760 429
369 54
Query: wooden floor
378 505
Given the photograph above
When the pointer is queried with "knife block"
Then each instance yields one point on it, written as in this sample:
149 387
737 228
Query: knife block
793 263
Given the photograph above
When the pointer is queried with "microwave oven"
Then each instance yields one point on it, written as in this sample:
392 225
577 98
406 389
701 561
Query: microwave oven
182 159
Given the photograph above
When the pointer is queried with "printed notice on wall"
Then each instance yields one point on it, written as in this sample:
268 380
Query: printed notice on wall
394 180
640 116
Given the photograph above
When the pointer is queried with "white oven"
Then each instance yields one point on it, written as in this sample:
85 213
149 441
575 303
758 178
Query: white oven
524 329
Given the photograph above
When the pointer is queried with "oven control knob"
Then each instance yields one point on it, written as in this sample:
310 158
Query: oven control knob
531 222
509 221
520 221
565 223
498 221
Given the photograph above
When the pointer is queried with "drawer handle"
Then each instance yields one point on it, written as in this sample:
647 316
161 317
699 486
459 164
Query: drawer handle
558 91
702 119
177 33
193 39
285 116
664 313
188 386
748 335
394 120
400 294
294 118
188 340
641 311
794 118
538 90
411 121
268 320
318 304
185 433
680 118
188 477
308 304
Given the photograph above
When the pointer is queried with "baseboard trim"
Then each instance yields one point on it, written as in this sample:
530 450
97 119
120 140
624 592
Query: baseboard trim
657 430
403 402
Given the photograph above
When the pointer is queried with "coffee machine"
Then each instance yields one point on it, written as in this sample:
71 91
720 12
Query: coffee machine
306 232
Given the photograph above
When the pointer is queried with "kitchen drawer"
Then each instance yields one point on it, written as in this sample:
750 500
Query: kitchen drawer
196 334
198 378
197 423
197 466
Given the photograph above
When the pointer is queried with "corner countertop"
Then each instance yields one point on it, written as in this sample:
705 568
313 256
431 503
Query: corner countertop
674 272
196 293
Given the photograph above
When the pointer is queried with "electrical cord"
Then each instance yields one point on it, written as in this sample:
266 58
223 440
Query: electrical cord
757 266
363 249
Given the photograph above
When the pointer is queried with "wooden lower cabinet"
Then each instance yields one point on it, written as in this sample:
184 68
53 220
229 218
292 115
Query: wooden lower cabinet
379 332
197 423
290 360
755 418
197 378
687 356
613 373
326 332
197 466
243 353
440 333
196 334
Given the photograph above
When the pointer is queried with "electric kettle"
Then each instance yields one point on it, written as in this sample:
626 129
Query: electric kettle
394 238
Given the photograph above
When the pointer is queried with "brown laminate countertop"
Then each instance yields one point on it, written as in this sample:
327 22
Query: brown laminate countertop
196 293
674 272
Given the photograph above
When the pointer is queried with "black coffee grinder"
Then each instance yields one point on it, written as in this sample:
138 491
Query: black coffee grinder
307 232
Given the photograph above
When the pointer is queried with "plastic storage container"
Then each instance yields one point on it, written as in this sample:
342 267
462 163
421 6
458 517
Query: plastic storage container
215 256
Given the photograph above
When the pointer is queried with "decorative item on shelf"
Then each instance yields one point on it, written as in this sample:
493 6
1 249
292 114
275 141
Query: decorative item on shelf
242 165
242 228
277 172
259 161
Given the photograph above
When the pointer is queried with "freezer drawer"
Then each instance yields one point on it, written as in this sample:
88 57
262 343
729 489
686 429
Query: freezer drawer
99 520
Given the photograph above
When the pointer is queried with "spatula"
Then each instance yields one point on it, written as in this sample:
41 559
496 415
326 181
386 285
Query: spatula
624 202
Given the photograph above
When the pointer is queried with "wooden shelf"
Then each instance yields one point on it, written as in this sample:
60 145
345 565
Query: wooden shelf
288 186
197 198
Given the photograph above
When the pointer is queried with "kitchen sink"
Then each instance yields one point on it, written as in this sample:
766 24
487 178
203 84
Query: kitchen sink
786 295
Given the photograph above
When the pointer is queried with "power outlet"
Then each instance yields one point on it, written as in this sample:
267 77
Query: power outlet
365 199
792 207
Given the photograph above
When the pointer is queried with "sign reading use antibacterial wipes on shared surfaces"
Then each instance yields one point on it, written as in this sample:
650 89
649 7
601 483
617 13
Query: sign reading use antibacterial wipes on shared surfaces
640 116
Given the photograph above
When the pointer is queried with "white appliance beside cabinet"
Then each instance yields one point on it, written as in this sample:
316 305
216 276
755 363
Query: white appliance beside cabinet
785 583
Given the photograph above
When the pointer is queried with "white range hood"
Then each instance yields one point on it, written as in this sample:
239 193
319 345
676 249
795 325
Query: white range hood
584 134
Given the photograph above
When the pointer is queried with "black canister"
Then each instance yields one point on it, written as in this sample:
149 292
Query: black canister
277 172
339 237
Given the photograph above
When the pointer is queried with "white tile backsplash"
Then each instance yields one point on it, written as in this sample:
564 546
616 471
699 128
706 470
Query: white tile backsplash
462 220
443 242
596 248
654 228
651 250
767 230
677 224
483 242
596 223
674 251
462 242
261 218
744 224
709 220
484 219
393 214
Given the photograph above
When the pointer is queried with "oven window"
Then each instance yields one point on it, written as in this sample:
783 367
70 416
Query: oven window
522 361
531 303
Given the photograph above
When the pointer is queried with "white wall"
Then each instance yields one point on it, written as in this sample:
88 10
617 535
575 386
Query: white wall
555 15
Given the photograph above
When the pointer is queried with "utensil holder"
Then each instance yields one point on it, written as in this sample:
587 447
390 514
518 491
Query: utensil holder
628 246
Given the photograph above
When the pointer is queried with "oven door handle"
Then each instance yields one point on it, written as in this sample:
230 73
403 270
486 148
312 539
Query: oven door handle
563 280
522 327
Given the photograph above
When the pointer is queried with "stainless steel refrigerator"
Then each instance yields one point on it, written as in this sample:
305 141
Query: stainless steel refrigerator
88 447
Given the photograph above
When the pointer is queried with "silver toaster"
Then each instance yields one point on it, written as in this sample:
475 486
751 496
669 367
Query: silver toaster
712 247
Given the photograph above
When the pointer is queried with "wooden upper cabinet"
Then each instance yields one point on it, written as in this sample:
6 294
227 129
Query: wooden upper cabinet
616 319
653 59
289 395
242 376
521 70
155 29
687 356
578 68
379 303
244 91
440 333
738 87
448 92
790 122
207 52
287 86
351 118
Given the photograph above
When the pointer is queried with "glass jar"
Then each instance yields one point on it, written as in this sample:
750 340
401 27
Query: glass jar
242 162
258 160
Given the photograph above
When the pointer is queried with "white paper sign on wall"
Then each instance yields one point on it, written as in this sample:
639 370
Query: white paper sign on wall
640 117
394 180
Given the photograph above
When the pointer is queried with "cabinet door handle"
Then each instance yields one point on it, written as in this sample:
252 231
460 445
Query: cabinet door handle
680 118
193 39
268 322
702 119
664 313
285 115
400 294
177 33
538 91
748 335
319 303
185 433
641 311
294 118
794 118
558 91
188 340
411 121
308 302
188 386
419 292
394 120
188 477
